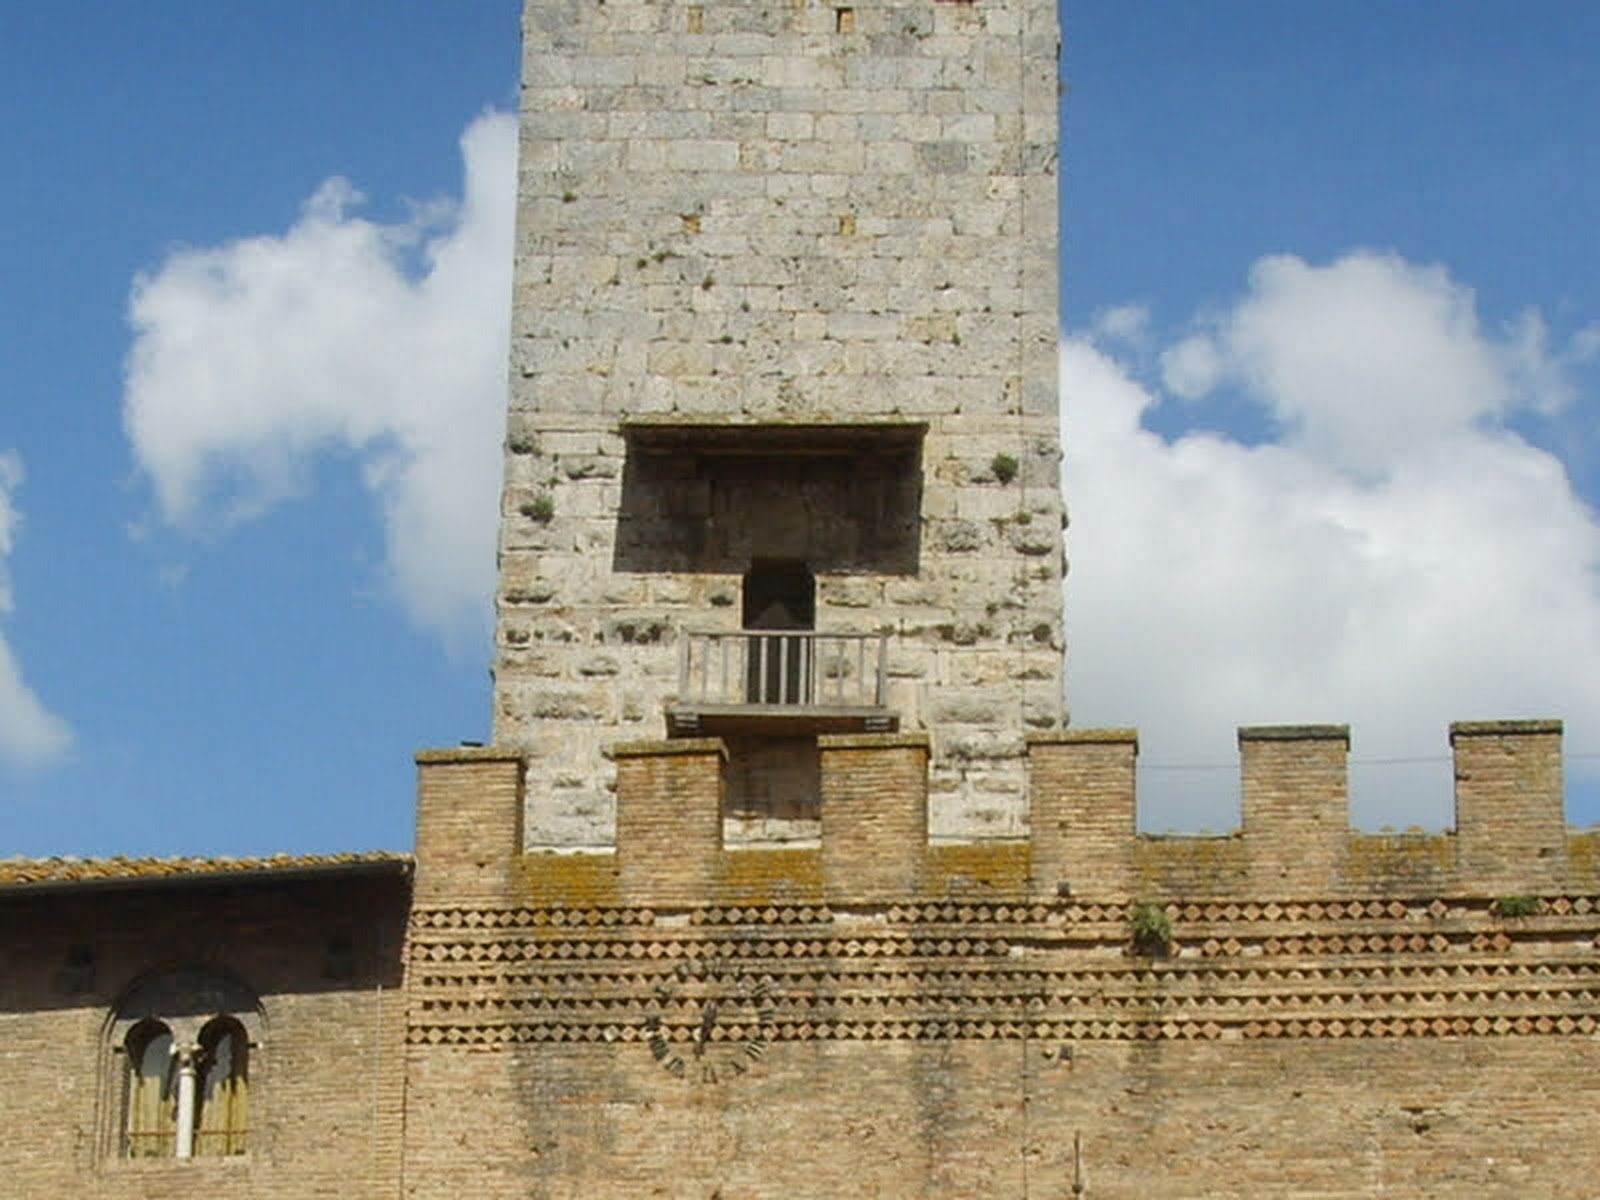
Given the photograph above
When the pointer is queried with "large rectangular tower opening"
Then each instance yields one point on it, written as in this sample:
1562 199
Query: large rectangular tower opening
702 499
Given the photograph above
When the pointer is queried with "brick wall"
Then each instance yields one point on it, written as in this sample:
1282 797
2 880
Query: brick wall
874 813
902 1054
896 1018
469 823
1294 805
1081 791
961 1120
1510 826
1295 840
326 1080
880 1016
669 817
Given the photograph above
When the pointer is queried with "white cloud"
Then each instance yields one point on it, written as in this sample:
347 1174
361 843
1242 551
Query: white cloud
1126 323
385 340
1192 368
1361 359
1397 559
30 734
10 519
1586 345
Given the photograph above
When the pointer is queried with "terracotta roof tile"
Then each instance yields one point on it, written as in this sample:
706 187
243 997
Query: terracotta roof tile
26 872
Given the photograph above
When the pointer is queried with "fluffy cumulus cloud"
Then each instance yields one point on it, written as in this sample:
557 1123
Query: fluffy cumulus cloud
30 734
385 341
1390 555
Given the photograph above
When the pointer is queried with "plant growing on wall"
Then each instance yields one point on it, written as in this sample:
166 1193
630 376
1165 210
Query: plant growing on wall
1517 906
1152 929
541 508
1004 467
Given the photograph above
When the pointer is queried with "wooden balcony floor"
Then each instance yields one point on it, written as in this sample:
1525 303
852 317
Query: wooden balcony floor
778 720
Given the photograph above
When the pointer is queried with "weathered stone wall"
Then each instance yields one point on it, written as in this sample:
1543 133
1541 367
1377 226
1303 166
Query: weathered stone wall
783 215
326 1080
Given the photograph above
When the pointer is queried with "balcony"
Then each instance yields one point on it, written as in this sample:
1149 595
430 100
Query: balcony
780 682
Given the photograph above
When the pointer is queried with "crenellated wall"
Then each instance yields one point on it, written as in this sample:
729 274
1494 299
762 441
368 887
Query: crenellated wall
1510 835
1509 839
784 342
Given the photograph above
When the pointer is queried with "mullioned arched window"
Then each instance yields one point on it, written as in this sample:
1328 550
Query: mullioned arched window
184 1043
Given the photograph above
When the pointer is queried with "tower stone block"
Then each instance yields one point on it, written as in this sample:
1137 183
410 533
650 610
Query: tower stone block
783 358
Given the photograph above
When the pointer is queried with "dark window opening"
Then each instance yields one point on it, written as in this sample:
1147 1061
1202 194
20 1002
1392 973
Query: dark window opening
779 595
77 969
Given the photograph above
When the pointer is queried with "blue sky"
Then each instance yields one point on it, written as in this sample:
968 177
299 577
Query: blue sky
1333 356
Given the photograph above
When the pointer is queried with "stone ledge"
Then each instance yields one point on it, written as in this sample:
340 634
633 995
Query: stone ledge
1115 735
674 422
1519 728
467 754
1294 733
668 748
873 741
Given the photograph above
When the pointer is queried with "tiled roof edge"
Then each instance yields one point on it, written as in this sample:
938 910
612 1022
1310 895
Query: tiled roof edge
28 873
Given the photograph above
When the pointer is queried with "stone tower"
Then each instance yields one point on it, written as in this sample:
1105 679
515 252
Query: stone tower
783 454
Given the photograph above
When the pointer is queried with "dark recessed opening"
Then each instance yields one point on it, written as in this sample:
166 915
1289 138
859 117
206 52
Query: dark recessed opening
779 594
339 957
774 790
77 969
700 499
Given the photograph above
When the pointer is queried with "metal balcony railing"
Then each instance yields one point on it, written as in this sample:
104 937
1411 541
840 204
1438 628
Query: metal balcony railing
782 672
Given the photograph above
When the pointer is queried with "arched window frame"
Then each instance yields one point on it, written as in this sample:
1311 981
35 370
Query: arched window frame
149 1102
222 1101
192 1006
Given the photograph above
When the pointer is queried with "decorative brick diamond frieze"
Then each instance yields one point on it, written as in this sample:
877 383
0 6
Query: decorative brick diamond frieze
1338 969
